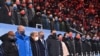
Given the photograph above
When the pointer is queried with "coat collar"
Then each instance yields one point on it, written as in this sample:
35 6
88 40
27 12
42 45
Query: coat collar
21 36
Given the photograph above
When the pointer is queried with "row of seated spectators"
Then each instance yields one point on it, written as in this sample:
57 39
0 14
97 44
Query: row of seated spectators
82 15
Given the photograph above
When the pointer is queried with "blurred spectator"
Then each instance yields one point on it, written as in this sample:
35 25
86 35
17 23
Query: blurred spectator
94 44
83 39
64 47
78 44
56 23
98 43
37 47
45 20
51 19
23 42
63 15
88 43
16 15
6 13
57 14
37 19
69 41
44 44
54 46
9 46
23 12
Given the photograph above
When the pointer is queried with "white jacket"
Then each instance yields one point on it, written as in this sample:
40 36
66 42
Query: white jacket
65 49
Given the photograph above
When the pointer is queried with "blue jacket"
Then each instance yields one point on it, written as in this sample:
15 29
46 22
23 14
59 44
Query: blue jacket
23 44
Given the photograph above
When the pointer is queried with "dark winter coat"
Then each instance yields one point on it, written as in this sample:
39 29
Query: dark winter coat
37 48
78 46
71 45
4 17
54 46
9 46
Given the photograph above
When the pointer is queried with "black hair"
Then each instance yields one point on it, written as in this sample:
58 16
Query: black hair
59 35
53 30
65 34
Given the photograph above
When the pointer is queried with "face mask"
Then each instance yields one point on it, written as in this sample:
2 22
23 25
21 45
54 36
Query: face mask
42 37
54 34
22 33
15 7
50 16
36 39
66 36
83 37
8 3
97 38
22 12
30 6
29 2
23 4
13 39
88 38
94 38
56 18
82 28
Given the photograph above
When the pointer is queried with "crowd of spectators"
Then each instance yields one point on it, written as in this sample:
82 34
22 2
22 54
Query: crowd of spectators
62 15
19 44
81 15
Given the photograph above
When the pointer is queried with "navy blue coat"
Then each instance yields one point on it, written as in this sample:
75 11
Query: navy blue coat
37 48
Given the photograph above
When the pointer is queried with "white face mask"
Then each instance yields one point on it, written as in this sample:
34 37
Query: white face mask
56 17
82 28
50 15
36 38
88 37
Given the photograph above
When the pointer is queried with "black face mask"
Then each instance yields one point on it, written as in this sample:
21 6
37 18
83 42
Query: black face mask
29 2
13 39
22 33
42 37
54 35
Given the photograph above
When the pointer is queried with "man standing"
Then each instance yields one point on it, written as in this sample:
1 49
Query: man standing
43 42
23 12
54 46
9 46
78 44
37 47
30 12
23 42
6 12
88 44
69 41
64 47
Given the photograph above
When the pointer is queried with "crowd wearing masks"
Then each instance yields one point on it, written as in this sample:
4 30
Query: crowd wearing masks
19 44
82 15
57 15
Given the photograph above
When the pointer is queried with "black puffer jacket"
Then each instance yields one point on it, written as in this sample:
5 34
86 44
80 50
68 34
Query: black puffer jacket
54 46
9 46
